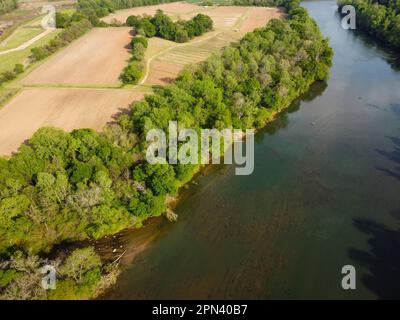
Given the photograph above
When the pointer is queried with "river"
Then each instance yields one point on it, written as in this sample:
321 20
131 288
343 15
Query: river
324 194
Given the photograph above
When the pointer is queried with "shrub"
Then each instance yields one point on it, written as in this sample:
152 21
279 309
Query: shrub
138 52
63 20
72 32
131 73
133 21
7 76
19 68
141 40
8 5
181 35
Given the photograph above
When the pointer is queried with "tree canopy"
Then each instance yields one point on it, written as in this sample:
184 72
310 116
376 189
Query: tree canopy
380 18
162 26
84 184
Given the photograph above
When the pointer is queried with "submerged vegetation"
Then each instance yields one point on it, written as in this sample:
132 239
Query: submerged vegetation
379 18
63 186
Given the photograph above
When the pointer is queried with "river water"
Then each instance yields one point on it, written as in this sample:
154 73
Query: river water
324 194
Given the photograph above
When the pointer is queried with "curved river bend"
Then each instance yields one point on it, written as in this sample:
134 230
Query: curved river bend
324 194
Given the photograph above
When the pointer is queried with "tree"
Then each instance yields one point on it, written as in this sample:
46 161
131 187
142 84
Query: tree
181 35
142 40
19 68
79 262
131 73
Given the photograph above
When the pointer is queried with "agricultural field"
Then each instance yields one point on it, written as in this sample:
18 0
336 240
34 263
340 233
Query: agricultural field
27 11
173 9
63 108
95 59
79 87
19 37
8 60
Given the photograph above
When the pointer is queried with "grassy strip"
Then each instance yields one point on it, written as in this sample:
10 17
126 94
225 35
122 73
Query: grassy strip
9 60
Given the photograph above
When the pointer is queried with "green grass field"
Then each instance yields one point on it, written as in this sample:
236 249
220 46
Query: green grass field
9 60
19 37
196 52
19 17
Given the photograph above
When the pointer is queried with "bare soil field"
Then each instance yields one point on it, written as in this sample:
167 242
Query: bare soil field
97 59
173 9
162 72
64 108
258 17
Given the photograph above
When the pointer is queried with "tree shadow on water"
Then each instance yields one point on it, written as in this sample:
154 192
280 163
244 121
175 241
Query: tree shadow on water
282 120
382 261
393 156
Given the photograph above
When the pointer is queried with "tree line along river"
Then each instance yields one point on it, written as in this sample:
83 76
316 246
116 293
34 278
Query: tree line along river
324 194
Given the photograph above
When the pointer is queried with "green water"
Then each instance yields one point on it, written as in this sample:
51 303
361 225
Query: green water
324 194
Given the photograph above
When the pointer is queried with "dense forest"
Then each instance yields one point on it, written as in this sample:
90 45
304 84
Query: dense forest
8 5
380 18
63 186
162 26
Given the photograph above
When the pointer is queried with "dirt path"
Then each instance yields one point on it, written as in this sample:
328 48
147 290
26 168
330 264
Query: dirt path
29 42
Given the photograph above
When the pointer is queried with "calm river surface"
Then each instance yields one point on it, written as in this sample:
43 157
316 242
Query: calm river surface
324 194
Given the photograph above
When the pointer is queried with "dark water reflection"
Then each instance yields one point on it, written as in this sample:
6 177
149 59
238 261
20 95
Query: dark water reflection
323 195
382 259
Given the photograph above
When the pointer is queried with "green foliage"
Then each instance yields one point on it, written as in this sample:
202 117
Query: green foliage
7 276
84 184
132 73
162 26
133 21
141 40
19 68
7 76
63 20
79 263
74 30
80 276
381 19
8 5
159 178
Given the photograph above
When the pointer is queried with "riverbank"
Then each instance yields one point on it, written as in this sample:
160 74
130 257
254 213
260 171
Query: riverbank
98 180
325 181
